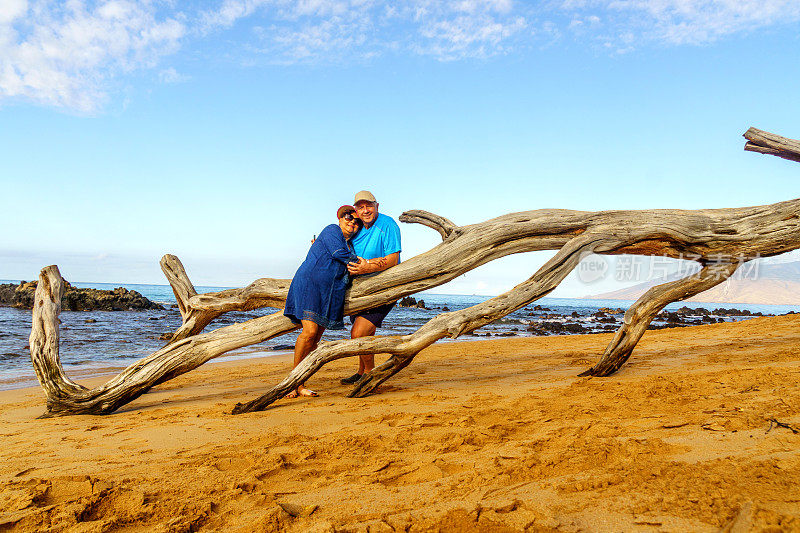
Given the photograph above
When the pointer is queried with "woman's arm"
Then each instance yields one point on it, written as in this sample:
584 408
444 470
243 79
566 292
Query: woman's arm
333 241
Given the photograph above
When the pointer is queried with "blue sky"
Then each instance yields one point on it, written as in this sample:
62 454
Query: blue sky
227 132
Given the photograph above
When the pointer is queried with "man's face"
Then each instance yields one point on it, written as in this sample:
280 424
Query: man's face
367 211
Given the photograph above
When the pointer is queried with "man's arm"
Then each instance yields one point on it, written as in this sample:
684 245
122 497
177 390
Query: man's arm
377 264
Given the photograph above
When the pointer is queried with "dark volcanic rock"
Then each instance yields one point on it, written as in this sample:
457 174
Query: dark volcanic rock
731 312
7 293
74 299
410 301
282 347
542 328
551 315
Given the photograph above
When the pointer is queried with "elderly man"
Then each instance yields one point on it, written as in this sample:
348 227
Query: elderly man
378 247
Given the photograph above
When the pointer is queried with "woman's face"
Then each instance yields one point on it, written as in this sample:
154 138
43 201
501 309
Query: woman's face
349 227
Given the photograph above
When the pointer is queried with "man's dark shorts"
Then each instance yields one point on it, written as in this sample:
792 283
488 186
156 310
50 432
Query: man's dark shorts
374 315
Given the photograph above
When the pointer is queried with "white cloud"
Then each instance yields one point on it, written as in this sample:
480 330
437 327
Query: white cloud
71 53
64 54
313 30
681 22
228 13
309 30
170 76
466 28
320 30
316 39
11 10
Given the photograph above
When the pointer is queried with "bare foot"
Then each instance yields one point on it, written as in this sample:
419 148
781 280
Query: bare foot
292 394
302 391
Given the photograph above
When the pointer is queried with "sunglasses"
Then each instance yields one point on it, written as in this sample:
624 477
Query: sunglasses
349 216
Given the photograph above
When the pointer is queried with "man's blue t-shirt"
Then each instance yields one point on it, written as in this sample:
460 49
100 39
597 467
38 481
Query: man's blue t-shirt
379 240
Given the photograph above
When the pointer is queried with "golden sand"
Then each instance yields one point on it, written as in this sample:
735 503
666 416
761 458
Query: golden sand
473 436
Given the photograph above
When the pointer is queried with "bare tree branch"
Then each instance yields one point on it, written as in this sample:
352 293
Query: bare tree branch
768 143
642 312
721 237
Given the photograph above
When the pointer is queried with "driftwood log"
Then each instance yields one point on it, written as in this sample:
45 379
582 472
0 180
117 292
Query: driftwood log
764 142
718 239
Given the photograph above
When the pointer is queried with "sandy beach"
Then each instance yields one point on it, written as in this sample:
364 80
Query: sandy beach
494 435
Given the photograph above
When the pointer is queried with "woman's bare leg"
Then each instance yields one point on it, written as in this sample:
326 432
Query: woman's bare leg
307 342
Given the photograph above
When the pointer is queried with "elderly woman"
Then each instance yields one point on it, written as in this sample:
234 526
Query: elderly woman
316 295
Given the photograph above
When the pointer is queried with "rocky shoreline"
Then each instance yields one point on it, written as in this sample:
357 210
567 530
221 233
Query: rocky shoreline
545 321
21 296
604 320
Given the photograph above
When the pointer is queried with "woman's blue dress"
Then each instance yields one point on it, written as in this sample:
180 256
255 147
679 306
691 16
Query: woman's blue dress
318 287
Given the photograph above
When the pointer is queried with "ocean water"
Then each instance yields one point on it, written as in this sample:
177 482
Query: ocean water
98 342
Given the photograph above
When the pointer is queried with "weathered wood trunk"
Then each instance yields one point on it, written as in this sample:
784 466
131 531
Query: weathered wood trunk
719 239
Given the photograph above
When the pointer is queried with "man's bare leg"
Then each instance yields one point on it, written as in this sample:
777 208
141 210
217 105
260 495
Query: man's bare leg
363 328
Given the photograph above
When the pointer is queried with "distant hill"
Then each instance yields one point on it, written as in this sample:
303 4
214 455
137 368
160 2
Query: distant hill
774 284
